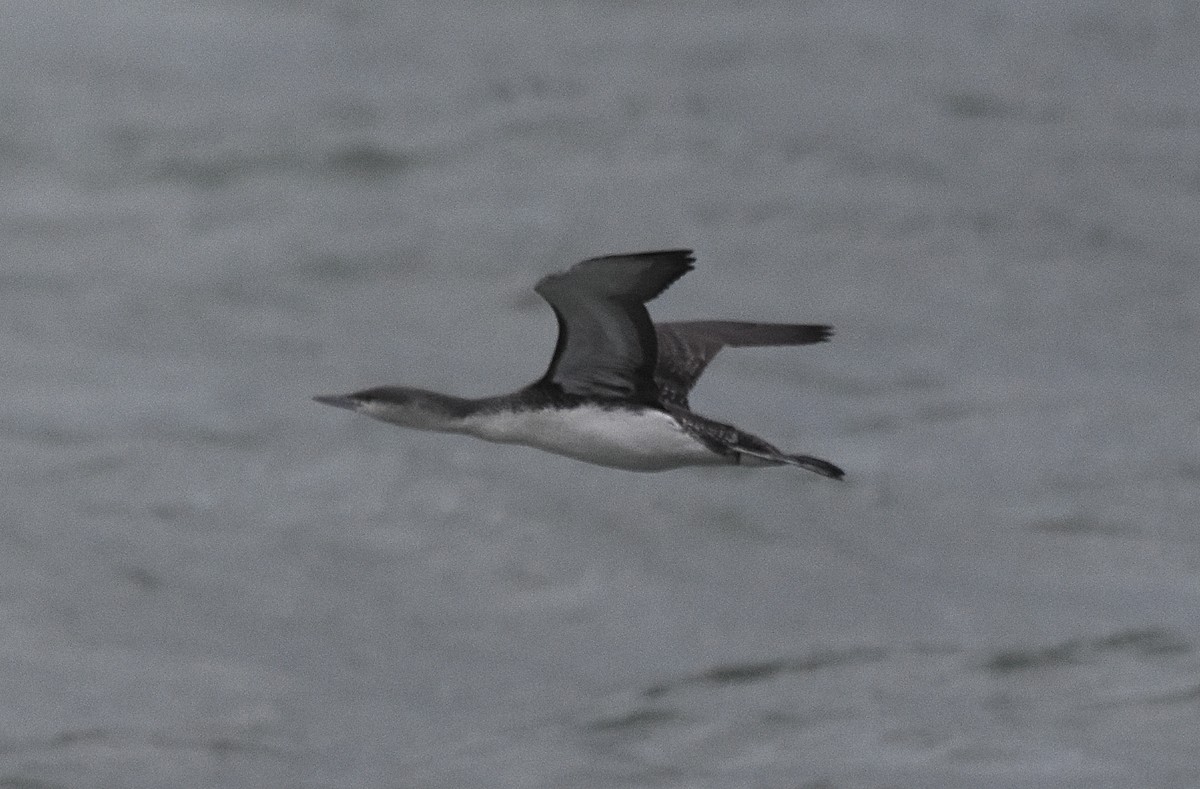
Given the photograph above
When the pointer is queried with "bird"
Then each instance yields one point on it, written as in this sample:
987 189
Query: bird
616 391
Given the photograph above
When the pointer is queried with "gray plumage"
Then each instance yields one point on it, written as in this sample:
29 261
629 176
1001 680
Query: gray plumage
616 390
685 348
607 346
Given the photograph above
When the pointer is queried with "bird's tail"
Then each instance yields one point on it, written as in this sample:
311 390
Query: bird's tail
822 467
763 454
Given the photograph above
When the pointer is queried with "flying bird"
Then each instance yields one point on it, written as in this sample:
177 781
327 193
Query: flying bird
616 391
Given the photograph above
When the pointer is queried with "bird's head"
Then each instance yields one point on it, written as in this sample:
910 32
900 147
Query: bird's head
400 405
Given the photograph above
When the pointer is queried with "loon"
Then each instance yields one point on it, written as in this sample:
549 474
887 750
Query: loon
616 391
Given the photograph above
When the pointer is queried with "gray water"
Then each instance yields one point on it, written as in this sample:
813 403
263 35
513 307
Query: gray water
213 210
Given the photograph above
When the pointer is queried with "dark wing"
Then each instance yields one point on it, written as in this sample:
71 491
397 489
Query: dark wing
607 345
686 348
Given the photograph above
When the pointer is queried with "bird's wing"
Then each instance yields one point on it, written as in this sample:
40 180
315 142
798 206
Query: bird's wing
606 343
685 348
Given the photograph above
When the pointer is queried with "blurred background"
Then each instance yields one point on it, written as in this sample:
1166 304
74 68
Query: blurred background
214 209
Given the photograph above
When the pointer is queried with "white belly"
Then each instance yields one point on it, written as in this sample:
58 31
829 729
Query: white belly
646 440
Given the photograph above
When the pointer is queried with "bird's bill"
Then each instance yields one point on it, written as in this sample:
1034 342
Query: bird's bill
338 401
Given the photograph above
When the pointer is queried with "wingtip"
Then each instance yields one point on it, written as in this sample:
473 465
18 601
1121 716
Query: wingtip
680 260
682 252
644 275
